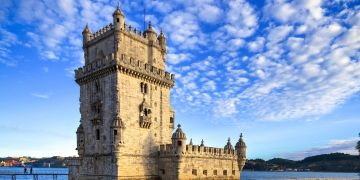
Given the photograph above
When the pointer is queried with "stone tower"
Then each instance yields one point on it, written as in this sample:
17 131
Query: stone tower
126 124
124 101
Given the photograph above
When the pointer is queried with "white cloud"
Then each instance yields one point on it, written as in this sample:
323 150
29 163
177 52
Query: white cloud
241 23
210 13
343 146
40 95
7 41
183 29
174 58
257 45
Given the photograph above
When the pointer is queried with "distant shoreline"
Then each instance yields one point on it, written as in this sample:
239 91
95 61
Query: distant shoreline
247 170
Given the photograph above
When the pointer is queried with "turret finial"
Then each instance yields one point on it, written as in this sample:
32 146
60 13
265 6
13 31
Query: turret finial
241 135
150 25
202 142
191 143
86 29
179 126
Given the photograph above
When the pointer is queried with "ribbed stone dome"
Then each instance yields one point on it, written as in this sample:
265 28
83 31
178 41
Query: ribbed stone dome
228 145
178 134
241 142
118 11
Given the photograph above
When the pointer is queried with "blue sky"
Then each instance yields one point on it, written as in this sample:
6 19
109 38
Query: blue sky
285 73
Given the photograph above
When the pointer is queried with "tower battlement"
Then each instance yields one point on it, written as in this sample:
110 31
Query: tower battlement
168 149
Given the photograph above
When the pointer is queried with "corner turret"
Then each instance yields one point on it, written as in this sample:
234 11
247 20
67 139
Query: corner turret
228 145
118 19
179 140
162 42
241 152
86 35
150 33
80 140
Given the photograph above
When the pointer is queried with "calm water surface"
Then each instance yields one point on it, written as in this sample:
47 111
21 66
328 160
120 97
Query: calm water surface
259 175
246 175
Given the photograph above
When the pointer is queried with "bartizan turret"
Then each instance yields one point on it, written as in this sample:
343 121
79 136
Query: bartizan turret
241 152
162 42
228 147
86 35
118 19
80 140
150 33
179 141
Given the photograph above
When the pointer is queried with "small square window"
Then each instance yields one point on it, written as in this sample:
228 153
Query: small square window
225 172
194 172
215 172
205 172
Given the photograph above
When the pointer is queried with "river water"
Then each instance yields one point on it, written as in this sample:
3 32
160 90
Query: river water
246 175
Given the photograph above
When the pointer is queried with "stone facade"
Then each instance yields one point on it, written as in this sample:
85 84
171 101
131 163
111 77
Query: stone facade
126 124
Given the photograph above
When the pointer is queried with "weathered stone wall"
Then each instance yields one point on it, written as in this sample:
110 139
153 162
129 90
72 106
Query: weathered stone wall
198 162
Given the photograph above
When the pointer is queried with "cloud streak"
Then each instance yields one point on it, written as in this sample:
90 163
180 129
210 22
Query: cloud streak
343 146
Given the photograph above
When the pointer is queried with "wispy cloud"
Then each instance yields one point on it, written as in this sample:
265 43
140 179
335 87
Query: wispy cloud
41 95
343 146
7 41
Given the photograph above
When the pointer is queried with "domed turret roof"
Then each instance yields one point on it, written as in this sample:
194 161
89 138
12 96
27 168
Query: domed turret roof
228 145
86 29
178 134
241 142
161 35
118 11
150 29
117 123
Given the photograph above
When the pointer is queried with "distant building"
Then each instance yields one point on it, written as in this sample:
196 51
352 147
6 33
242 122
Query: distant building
127 122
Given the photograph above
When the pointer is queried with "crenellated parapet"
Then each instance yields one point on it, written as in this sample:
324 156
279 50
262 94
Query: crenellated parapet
102 32
148 37
197 150
127 65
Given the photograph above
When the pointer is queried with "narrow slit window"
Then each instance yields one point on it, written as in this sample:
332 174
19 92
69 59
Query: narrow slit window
97 134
